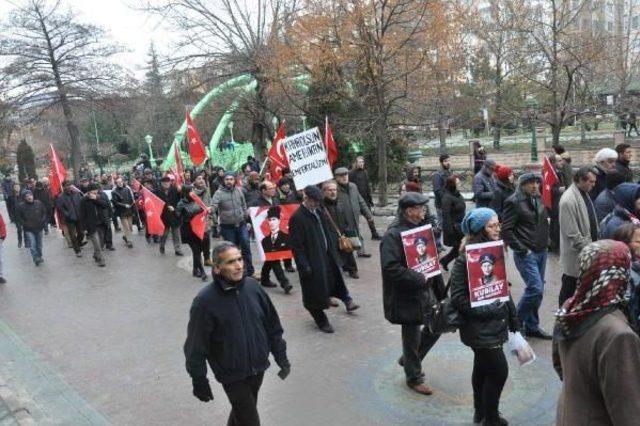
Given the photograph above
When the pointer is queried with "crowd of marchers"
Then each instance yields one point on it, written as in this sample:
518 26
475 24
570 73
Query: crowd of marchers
592 223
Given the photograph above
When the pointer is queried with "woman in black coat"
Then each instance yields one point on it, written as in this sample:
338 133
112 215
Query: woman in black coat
484 328
453 210
185 211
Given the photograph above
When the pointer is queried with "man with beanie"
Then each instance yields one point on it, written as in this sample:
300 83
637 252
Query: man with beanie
578 227
359 177
605 162
354 206
439 178
605 202
504 188
525 229
315 249
627 209
484 185
408 296
32 216
624 159
233 326
230 204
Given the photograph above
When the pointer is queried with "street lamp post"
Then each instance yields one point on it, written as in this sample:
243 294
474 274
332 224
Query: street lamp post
230 126
532 103
148 139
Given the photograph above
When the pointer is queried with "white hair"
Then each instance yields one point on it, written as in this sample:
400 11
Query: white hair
606 154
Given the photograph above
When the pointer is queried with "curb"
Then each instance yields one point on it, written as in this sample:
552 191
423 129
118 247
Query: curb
20 413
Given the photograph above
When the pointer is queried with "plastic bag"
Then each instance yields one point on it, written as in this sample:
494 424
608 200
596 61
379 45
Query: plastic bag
519 347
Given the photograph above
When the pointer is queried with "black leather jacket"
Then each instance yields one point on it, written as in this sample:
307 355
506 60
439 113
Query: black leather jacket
524 227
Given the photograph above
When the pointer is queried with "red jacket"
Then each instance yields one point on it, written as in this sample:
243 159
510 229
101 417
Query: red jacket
3 228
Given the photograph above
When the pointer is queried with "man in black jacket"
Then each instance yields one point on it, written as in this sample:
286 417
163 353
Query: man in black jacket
68 205
624 159
32 216
234 326
169 194
106 217
408 296
315 249
93 220
526 230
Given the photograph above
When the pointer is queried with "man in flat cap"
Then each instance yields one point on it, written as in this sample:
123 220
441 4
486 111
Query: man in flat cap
315 249
408 296
354 206
525 229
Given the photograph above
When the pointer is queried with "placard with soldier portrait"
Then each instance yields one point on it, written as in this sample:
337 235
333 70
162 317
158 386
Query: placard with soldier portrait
487 273
420 250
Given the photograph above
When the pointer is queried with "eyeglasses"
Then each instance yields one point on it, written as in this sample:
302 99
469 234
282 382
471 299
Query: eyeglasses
494 226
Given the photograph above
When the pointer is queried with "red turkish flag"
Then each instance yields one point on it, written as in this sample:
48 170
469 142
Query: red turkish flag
330 143
153 207
197 151
549 178
57 173
277 156
179 172
199 222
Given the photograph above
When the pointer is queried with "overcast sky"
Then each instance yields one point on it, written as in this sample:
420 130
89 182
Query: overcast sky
132 29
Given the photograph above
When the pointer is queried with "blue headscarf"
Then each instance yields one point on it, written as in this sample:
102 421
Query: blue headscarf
475 220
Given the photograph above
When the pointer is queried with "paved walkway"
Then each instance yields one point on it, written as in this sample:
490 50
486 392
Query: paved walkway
87 345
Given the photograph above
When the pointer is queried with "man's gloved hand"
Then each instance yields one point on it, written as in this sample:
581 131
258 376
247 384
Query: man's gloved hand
201 389
284 372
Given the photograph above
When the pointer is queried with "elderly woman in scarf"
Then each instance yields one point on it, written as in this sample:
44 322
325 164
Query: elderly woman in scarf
484 328
596 352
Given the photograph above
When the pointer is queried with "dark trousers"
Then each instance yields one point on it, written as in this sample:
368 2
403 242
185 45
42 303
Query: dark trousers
114 219
288 263
20 231
206 245
568 288
416 344
243 396
348 261
196 251
490 371
452 255
75 235
274 265
337 288
107 240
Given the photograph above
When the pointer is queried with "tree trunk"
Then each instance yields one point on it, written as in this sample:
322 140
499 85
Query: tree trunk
556 128
381 148
497 130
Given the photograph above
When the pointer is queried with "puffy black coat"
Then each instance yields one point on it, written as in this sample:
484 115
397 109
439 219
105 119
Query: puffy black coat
502 192
170 198
186 210
32 216
408 297
233 327
484 326
453 210
317 265
525 227
68 204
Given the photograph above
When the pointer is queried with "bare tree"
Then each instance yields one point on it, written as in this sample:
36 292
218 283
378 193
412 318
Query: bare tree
227 37
54 60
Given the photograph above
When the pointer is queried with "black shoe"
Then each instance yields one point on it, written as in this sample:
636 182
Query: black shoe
401 361
204 276
83 243
197 273
538 334
111 248
268 284
161 249
351 306
500 421
353 274
364 255
376 237
290 269
78 254
287 288
478 416
2 280
179 253
326 328
19 244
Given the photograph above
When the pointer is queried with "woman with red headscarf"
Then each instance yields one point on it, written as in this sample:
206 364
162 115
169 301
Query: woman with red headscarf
596 352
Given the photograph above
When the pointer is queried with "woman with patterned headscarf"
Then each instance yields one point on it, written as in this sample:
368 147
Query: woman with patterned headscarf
596 352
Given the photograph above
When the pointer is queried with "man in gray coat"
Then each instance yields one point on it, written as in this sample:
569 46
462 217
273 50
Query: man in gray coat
484 185
578 227
354 205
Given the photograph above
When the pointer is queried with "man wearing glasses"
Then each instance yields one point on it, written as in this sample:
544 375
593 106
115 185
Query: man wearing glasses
526 230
